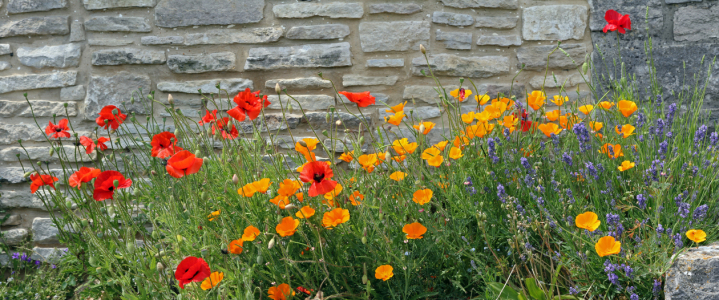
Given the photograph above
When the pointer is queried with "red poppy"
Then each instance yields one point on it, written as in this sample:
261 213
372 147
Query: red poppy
85 174
209 117
248 103
319 174
108 119
525 122
90 145
227 129
164 144
105 185
617 21
362 99
59 130
183 163
40 180
192 269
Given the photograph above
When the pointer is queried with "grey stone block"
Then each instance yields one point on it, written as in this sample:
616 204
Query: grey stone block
570 80
114 90
105 4
42 154
424 93
48 255
318 32
333 10
694 275
453 65
174 13
233 86
5 65
109 42
61 56
359 80
318 121
35 26
162 40
193 64
23 199
41 108
395 8
535 58
306 102
13 237
692 24
405 35
5 49
499 40
228 36
127 56
300 56
12 220
24 6
72 93
496 22
37 81
117 24
11 133
455 40
441 17
504 4
385 63
299 83
554 22
77 32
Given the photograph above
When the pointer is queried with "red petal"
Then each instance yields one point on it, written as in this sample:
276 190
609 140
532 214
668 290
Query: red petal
321 188
612 15
237 113
181 160
174 172
195 167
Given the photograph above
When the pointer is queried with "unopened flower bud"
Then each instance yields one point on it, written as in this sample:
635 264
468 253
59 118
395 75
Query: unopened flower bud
327 117
170 99
338 122
422 128
160 266
52 151
197 152
116 183
290 206
422 49
585 68
115 112
206 160
277 88
364 240
130 246
84 222
302 143
364 279
271 244
153 172
235 179
289 108
259 259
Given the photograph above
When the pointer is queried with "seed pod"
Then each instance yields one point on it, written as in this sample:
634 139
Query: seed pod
422 49
277 88
130 246
160 266
289 108
235 179
422 128
179 238
361 141
52 151
84 223
170 99
271 244
585 68
197 153
114 113
259 259
68 203
28 174
364 240
132 100
115 183
302 143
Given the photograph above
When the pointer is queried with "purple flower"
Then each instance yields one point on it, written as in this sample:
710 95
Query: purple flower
670 114
573 291
699 135
591 170
555 139
663 148
659 129
54 266
641 201
15 255
38 263
525 163
641 119
614 279
700 212
683 209
567 159
713 138
657 287
582 136
678 244
501 192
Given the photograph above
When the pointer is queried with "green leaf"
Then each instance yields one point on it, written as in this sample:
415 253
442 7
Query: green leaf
506 291
534 290
425 295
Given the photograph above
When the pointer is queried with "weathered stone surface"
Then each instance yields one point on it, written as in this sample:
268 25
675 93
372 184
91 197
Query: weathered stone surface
114 90
37 81
507 90
127 56
681 1
333 10
24 199
24 6
5 49
562 80
193 64
425 93
301 56
554 22
693 24
9 109
453 65
12 175
109 42
10 133
43 154
61 56
694 275
285 141
230 36
385 63
417 113
271 122
455 40
13 237
405 35
307 102
318 32
5 65
300 83
4 258
72 93
535 58
505 4
48 255
12 220
174 13
232 85
77 32
395 8
119 24
34 26
499 40
359 80
496 22
103 4
318 121
162 40
441 17
649 10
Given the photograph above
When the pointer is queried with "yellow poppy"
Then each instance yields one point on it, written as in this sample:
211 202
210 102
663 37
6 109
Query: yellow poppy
588 220
422 197
414 231
383 272
626 165
433 156
398 176
607 246
536 99
455 153
697 235
212 281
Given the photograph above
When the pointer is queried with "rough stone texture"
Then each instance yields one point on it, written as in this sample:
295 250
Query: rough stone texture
385 63
175 13
233 86
453 65
48 255
37 81
405 35
42 154
425 93
692 24
12 220
230 36
103 4
496 22
499 40
417 113
72 93
637 9
333 10
562 80
318 121
109 42
505 4
318 32
359 80
4 258
272 121
535 58
13 237
117 24
299 83
307 102
455 40
35 26
193 64
22 199
77 32
12 175
61 56
395 8
5 65
10 133
162 40
127 56
5 49
42 108
441 17
113 90
554 22
694 275
302 56
24 6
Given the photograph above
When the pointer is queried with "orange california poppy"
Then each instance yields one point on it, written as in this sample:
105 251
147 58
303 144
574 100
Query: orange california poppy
441 145
607 246
460 94
536 99
281 201
549 128
414 231
433 156
300 197
627 108
311 145
509 122
422 197
479 130
403 146
250 233
305 212
455 153
559 100
261 186
280 292
586 109
468 117
383 272
183 163
588 220
397 176
568 120
626 130
399 158
235 247
553 115
347 157
397 108
626 165
85 174
427 127
287 226
596 126
213 280
40 180
613 151
213 215
335 217
482 99
460 141
606 104
362 99
697 235
356 198
395 119
495 110
368 162
334 192
504 100
289 187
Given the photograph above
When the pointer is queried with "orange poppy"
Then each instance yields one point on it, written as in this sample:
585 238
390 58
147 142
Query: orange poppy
460 141
482 100
536 99
588 220
586 109
300 197
335 217
363 99
422 197
287 226
280 292
479 130
183 163
414 231
427 127
356 198
606 104
495 110
383 272
347 157
607 246
235 247
549 128
596 126
553 115
559 100
509 122
250 233
90 145
289 187
399 158
85 174
626 165
305 212
212 281
249 190
397 108
504 100
568 120
213 215
311 145
367 161
626 130
697 235
468 117
395 119
403 146
441 145
40 180
613 151
433 156
455 153
58 131
397 176
334 192
109 117
281 201
627 108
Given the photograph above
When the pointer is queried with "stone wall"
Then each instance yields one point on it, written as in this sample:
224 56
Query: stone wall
91 53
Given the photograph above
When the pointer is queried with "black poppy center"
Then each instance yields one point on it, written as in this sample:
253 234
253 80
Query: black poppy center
111 188
318 177
58 129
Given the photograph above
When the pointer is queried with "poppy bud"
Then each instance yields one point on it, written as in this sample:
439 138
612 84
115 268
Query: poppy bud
93 261
259 259
421 127
422 49
302 143
235 179
290 206
28 174
289 108
84 222
197 152
206 160
271 244
130 246
364 240
111 210
52 151
364 279
179 238
114 112
587 253
277 88
327 117
153 172
361 141
585 68
170 99
160 266
132 100
68 203
387 155
150 96
338 122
